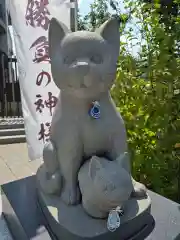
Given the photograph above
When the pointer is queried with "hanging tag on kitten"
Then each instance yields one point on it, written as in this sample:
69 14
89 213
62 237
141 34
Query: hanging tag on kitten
113 221
94 111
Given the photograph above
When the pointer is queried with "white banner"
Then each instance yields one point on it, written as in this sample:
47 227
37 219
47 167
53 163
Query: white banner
30 20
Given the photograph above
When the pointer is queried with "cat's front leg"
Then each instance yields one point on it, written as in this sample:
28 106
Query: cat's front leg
70 192
70 158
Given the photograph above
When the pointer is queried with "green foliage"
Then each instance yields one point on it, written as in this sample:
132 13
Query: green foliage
146 92
98 14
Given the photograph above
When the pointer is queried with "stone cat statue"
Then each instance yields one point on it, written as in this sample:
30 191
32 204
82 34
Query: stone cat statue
104 186
83 66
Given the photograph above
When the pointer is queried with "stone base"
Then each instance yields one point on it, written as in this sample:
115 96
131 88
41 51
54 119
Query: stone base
0 203
72 223
21 211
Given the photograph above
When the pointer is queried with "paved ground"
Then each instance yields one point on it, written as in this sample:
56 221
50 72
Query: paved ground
14 164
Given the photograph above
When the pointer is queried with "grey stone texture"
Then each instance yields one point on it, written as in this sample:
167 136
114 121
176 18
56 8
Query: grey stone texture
88 142
104 185
72 222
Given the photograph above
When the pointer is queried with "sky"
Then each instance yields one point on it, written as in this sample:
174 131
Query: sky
84 7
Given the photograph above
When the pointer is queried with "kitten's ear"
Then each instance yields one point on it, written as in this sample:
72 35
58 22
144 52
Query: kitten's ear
123 157
109 30
94 166
57 31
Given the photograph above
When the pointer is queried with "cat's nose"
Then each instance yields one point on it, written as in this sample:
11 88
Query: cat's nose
83 68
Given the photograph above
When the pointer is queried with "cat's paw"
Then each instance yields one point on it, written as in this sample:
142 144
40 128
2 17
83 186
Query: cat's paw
53 183
139 190
70 195
49 183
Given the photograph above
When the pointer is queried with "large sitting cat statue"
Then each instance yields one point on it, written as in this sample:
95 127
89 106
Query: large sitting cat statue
85 122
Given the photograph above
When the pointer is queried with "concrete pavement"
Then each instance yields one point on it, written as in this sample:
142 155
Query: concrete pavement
14 164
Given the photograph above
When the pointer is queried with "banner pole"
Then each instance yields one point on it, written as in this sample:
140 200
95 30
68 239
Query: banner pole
73 15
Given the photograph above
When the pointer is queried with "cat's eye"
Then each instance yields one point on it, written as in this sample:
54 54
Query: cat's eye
68 60
97 59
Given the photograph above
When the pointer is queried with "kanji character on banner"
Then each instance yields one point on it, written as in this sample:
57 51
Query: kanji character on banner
43 76
39 103
37 14
31 21
44 132
41 50
51 102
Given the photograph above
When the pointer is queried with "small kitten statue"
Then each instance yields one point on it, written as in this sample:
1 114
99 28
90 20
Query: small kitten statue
104 186
83 66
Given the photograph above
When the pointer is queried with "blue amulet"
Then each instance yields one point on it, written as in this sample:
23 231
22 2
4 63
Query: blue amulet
94 111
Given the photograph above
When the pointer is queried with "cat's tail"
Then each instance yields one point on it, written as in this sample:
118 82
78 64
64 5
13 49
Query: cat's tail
50 179
139 189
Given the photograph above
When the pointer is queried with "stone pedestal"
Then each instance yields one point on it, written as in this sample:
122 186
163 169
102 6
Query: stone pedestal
72 223
0 203
17 195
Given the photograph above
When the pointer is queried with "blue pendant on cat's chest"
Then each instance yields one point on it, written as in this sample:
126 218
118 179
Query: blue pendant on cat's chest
94 111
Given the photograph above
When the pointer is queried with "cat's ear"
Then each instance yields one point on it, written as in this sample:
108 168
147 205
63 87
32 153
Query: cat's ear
94 166
109 30
57 31
123 157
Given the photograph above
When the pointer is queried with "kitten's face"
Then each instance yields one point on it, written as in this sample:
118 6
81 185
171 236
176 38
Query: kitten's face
83 63
110 187
112 184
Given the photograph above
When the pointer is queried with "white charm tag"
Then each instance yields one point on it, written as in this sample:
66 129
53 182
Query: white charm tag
113 221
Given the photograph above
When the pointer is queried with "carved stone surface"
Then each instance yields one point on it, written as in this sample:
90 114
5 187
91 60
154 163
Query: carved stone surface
72 222
104 185
88 141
